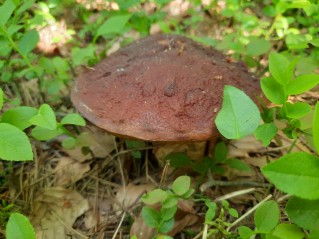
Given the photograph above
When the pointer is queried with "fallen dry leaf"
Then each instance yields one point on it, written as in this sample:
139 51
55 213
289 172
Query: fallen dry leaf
129 196
99 141
242 147
55 211
98 213
69 171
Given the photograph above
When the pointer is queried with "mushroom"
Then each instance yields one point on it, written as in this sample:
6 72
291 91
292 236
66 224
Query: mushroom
160 88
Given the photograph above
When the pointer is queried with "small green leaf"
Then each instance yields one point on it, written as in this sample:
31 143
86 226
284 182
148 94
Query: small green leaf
19 116
1 98
29 41
69 143
25 6
233 212
40 133
266 132
220 152
74 119
178 160
302 84
284 231
296 174
19 227
14 144
6 11
304 213
155 196
114 24
151 217
45 118
166 226
170 202
257 47
168 213
83 55
267 216
233 120
278 65
238 164
181 185
315 127
188 193
297 110
211 212
245 232
273 90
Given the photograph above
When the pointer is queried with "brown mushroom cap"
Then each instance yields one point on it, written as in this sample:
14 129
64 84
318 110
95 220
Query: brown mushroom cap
160 88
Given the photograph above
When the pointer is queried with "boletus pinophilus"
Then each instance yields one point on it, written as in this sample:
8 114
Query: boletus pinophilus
160 88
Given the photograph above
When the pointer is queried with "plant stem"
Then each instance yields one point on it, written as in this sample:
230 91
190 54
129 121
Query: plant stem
212 182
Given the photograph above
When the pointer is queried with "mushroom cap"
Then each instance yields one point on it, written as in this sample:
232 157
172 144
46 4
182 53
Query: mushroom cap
160 88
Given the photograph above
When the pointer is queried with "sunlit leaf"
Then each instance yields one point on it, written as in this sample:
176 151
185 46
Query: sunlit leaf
19 227
29 41
14 144
267 216
233 120
114 24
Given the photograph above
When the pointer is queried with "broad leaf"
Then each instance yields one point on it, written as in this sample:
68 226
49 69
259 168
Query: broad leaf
114 24
297 110
284 231
19 227
258 47
178 160
302 84
6 11
220 152
304 213
267 216
45 118
239 115
273 90
237 164
151 217
266 132
40 133
181 185
19 116
29 41
14 144
315 127
74 119
296 174
278 65
155 196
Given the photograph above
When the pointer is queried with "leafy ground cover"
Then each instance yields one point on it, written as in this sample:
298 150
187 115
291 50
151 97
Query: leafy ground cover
70 179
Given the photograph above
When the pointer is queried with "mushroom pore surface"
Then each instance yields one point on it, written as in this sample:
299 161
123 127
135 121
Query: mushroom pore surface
160 88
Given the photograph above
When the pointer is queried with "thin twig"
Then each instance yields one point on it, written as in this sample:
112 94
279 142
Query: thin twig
119 226
235 194
212 182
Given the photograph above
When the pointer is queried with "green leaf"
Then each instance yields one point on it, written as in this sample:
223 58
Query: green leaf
304 213
6 11
155 196
238 164
19 227
40 133
168 213
1 98
245 232
278 65
29 41
19 116
170 202
178 160
257 47
266 132
296 41
302 84
297 110
284 231
83 55
151 217
315 127
211 212
25 6
69 143
45 118
267 216
233 120
220 152
166 226
296 174
14 144
74 119
114 24
181 185
273 90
